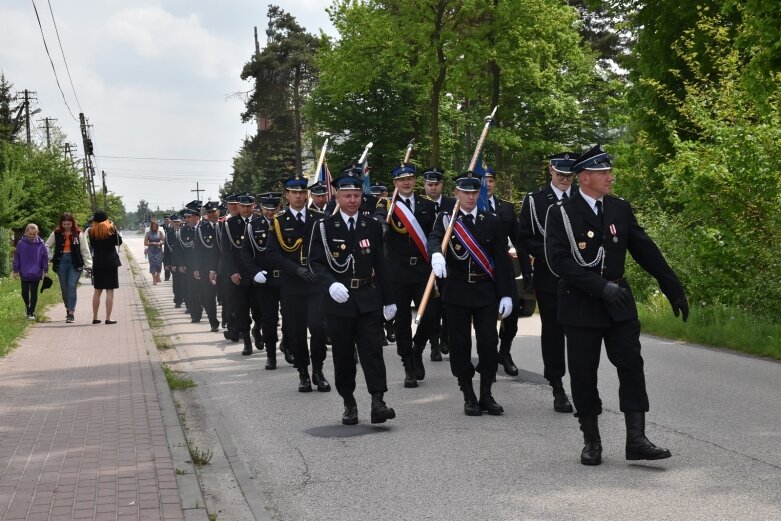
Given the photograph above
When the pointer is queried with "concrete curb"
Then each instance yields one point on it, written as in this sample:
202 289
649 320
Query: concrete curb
193 503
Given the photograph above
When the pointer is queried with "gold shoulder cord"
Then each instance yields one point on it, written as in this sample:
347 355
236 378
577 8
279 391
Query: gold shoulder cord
281 240
396 228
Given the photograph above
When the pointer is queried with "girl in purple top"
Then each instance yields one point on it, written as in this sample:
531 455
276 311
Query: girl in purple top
31 263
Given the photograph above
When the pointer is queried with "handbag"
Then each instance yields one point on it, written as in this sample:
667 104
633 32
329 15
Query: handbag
117 261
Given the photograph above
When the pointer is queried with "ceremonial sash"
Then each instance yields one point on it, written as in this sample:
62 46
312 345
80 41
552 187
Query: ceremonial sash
474 248
412 225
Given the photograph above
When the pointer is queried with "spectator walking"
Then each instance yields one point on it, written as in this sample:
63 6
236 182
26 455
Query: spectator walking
31 264
153 240
69 252
104 239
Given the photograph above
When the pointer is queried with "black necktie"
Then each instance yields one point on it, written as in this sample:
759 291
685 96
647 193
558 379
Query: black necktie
351 230
407 203
436 207
470 219
300 218
600 215
490 206
564 196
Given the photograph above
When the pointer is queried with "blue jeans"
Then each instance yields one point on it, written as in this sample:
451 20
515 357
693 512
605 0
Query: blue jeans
69 278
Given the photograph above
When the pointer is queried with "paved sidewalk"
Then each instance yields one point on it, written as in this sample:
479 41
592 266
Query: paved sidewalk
82 435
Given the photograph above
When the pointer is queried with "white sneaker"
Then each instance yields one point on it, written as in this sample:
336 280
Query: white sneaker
31 317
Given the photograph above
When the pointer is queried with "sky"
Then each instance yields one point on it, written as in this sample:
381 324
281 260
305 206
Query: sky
155 80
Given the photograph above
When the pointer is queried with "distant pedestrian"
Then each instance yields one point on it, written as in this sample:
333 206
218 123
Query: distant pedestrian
31 263
153 240
104 239
68 249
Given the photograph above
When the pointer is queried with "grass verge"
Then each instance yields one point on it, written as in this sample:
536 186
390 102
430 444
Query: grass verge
13 322
176 379
716 326
199 457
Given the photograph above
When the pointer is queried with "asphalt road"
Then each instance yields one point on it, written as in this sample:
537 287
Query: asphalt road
718 412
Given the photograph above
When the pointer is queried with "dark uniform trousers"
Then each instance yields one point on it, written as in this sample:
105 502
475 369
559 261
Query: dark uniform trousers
266 302
357 323
552 339
301 305
471 298
405 292
587 319
207 300
178 286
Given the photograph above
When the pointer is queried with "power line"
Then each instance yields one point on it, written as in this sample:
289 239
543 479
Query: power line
165 159
57 32
51 61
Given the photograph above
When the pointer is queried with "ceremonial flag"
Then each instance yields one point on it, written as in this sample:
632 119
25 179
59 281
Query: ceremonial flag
480 168
324 176
367 184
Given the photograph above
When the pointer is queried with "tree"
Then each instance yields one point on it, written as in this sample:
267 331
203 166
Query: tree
284 74
8 123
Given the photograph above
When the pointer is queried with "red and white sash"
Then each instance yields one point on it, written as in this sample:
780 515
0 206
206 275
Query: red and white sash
405 215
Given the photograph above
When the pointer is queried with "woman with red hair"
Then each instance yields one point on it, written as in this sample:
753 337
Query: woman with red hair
104 239
70 255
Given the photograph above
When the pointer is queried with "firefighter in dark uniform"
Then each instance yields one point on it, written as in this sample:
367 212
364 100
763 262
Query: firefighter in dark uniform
220 230
587 238
433 186
505 211
224 283
347 256
288 250
478 289
170 256
405 250
531 234
239 294
380 191
187 259
318 192
207 255
266 280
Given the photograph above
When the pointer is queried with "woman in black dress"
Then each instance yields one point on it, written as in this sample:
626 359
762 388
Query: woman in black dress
104 240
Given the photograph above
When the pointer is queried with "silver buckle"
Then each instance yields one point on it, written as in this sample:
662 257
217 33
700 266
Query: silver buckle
354 283
471 280
275 273
413 261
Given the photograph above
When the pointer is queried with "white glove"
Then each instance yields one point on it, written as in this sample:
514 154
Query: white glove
505 307
389 311
339 292
260 277
438 265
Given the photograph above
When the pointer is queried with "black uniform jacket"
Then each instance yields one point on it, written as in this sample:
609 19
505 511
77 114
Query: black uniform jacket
579 288
288 249
234 232
169 247
505 211
368 205
254 251
406 262
366 278
207 252
185 249
482 291
445 204
531 235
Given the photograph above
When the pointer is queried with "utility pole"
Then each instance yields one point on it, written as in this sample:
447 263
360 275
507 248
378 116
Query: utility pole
47 126
103 172
89 167
26 96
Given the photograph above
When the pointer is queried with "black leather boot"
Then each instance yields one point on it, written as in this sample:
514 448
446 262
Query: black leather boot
350 415
410 380
637 445
271 357
304 383
390 330
417 356
380 411
487 402
444 345
592 443
318 378
436 356
471 406
288 354
506 359
247 343
256 337
560 400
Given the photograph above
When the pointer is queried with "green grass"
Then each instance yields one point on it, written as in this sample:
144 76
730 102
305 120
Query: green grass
199 457
13 323
716 326
175 378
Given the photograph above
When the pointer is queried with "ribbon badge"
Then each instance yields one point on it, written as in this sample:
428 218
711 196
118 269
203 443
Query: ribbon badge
614 232
364 243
